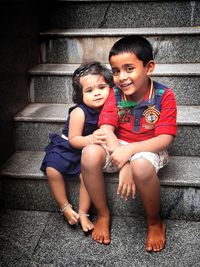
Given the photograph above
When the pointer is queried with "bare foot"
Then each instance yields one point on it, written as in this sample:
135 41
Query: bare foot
86 224
155 237
70 215
101 232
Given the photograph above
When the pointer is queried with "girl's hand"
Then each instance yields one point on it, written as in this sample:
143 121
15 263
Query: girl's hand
98 137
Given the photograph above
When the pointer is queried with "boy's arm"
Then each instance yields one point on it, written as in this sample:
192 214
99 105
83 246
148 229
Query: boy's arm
156 144
108 120
112 141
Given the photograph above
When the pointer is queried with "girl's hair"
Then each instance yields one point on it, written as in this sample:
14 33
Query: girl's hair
93 68
135 44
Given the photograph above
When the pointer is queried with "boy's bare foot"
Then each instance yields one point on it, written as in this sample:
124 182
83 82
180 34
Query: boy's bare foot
101 232
155 237
86 224
70 215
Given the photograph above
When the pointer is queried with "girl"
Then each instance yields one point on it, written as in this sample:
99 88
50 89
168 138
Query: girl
91 85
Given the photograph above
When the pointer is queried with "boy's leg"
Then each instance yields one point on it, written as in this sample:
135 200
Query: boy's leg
148 184
92 161
58 189
84 206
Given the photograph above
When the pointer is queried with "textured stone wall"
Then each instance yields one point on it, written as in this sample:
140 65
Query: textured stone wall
20 24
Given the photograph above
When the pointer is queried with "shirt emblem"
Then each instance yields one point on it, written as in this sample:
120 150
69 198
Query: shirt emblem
151 114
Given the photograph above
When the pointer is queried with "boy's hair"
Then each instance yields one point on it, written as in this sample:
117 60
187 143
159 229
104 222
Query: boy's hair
135 44
93 68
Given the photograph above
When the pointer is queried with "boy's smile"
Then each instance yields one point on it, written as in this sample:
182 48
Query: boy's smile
130 75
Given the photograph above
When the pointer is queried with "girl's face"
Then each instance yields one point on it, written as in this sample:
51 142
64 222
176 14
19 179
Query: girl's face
95 90
130 75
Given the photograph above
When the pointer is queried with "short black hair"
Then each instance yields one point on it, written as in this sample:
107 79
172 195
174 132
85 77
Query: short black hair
135 44
93 68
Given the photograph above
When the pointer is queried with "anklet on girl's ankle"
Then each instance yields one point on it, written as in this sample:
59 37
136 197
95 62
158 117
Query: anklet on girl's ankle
83 214
64 208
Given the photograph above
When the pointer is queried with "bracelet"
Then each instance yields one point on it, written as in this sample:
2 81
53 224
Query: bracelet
81 213
64 208
90 139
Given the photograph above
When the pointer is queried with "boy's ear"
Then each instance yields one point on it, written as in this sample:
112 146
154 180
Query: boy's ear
150 66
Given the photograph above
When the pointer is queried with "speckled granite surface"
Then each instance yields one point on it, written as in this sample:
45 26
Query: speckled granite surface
25 187
40 239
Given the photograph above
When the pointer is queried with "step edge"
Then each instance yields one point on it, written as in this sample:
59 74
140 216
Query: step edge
40 119
5 173
103 32
193 69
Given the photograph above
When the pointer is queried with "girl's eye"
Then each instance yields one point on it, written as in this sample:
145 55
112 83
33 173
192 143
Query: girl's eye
88 90
102 87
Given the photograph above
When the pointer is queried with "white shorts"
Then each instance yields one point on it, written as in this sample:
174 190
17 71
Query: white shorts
158 160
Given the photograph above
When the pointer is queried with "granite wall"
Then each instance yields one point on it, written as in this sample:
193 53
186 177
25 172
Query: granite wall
20 24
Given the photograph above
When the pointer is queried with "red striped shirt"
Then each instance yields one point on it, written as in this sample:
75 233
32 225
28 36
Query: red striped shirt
134 128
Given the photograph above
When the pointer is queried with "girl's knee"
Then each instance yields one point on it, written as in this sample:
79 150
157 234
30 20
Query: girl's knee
53 174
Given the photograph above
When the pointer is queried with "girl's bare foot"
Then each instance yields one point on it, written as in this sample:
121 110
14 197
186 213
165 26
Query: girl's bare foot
86 224
155 237
70 215
101 232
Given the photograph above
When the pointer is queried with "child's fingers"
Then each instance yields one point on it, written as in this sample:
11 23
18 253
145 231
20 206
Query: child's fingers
128 192
124 190
119 188
133 187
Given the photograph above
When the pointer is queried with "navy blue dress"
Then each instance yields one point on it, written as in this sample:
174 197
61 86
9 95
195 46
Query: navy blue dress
60 154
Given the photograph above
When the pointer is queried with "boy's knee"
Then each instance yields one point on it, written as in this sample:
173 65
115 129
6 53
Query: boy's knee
142 169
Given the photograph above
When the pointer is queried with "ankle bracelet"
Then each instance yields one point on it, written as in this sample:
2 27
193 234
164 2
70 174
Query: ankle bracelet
64 208
83 214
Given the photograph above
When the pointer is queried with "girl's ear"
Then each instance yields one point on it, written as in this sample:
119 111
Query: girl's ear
150 66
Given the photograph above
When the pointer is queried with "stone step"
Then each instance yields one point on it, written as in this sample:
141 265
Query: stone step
171 45
51 83
125 14
36 121
45 239
25 187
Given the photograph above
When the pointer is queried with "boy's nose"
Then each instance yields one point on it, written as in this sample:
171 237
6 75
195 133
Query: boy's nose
122 76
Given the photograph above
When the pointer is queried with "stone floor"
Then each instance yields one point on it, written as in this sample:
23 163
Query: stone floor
41 239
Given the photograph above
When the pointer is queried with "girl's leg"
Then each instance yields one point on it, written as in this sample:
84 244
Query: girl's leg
148 185
84 206
92 161
58 189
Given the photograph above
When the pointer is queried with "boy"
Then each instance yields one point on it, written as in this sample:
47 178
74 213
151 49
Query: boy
143 115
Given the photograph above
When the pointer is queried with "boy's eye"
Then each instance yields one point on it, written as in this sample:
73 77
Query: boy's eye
129 69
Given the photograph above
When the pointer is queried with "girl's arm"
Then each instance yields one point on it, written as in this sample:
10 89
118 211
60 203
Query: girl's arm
76 126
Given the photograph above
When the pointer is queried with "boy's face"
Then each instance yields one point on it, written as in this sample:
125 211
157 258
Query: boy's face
95 91
130 75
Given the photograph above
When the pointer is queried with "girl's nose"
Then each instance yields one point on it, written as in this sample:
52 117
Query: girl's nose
96 91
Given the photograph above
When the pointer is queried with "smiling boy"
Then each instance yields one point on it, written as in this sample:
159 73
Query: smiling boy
142 113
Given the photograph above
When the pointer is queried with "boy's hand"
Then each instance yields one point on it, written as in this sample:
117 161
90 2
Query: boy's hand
126 185
120 156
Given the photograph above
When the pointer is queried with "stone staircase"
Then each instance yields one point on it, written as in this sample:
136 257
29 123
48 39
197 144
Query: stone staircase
86 30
